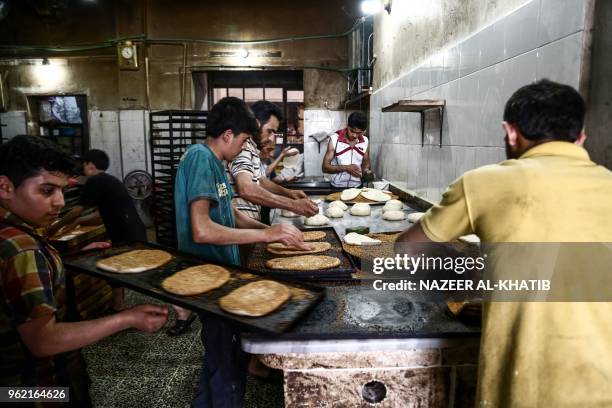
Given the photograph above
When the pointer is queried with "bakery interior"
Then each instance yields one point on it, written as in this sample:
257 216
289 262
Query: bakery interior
137 79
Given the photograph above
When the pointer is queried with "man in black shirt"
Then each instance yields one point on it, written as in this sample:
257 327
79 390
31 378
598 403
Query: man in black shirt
112 200
113 205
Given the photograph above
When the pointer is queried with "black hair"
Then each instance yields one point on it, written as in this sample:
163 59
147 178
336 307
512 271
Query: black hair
546 110
233 114
98 157
24 156
358 120
263 110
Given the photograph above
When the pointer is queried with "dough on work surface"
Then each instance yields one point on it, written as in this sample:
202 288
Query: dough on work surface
361 209
195 280
334 212
289 214
139 260
303 263
352 238
281 249
350 194
376 195
317 220
255 299
338 204
394 215
414 217
314 235
393 205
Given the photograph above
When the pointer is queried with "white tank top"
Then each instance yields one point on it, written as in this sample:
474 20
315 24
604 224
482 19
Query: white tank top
345 154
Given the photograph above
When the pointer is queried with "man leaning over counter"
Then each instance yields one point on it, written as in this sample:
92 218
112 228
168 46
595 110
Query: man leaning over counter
254 191
535 354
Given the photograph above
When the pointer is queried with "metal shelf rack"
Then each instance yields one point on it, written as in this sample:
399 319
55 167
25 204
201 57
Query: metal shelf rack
172 132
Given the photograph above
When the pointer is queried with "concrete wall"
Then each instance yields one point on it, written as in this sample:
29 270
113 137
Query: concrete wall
113 93
506 48
599 116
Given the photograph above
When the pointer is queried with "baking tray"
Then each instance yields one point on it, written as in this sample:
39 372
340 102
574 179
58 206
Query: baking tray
63 243
149 283
259 256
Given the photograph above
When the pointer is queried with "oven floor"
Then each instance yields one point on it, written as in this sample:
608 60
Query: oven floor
138 369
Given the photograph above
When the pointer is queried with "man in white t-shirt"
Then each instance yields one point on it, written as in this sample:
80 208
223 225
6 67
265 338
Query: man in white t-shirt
347 157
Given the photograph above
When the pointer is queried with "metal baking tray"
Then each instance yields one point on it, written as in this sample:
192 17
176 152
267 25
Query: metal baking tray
149 283
68 242
259 256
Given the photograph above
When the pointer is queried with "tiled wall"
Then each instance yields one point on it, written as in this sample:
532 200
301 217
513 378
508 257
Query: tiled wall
541 39
124 136
319 120
13 124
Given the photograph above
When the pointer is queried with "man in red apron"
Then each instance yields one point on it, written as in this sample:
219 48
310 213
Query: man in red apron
347 157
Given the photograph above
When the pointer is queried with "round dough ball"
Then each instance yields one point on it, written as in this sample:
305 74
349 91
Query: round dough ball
414 217
361 209
334 212
287 213
338 204
392 205
317 220
394 215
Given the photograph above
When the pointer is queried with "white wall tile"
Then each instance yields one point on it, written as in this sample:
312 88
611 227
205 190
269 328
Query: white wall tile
559 18
451 64
491 106
517 72
469 55
521 30
104 135
437 69
491 45
560 61
13 124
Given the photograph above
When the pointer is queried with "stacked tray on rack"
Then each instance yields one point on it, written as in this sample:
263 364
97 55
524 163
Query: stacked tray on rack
260 258
302 296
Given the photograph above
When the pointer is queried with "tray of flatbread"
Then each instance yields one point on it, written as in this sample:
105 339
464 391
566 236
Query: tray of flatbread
359 199
327 260
253 300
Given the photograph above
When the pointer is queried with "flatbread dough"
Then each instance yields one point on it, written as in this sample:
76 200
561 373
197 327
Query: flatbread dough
376 195
255 299
317 220
392 205
288 214
361 209
350 194
281 249
314 235
139 260
394 215
334 212
338 204
352 238
195 280
414 217
303 263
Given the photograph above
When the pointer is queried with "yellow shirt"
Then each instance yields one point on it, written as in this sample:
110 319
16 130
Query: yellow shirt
537 354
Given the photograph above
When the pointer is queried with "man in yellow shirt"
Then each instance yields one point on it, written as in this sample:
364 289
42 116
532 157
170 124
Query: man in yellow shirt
536 354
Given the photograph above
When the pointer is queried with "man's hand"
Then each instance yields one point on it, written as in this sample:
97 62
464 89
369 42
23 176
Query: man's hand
297 194
288 152
304 206
147 318
354 170
287 234
96 245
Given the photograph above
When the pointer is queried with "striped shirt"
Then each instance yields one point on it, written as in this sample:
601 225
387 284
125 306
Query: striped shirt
247 161
33 285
